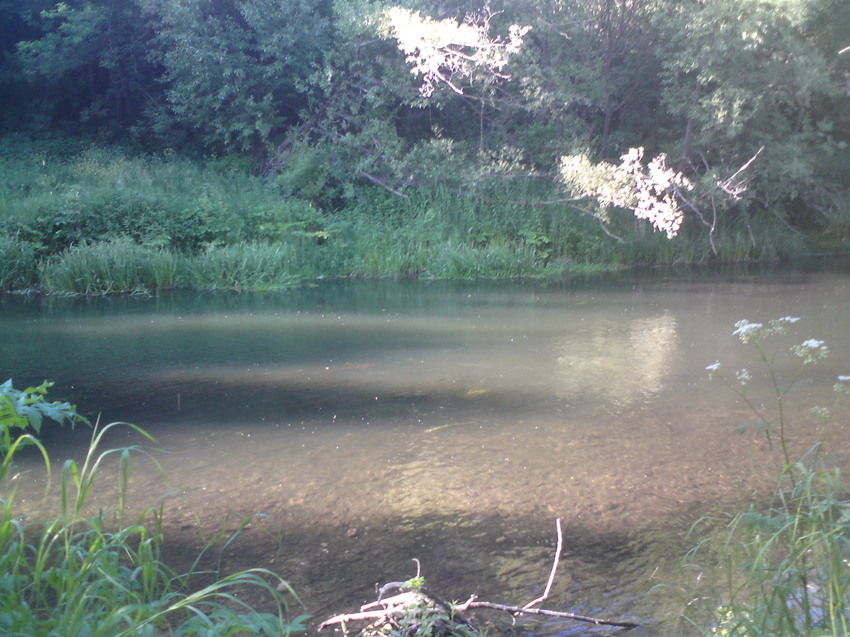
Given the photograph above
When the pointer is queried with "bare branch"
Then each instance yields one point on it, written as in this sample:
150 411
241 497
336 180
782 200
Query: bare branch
554 567
516 610
382 184
736 190
418 603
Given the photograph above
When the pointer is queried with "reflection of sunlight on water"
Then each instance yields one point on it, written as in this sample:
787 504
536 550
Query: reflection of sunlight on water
625 362
456 435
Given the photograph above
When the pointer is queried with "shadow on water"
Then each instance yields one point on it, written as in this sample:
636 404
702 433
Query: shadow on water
372 422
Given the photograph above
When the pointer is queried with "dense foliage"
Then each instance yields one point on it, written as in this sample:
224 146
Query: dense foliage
598 120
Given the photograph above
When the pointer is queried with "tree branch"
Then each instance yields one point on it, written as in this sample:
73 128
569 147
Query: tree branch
381 183
554 567
517 610
419 604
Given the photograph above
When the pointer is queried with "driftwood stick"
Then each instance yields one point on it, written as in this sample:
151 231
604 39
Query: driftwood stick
554 567
518 610
400 601
353 617
395 604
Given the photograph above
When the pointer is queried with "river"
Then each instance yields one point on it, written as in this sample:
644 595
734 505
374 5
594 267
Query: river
373 422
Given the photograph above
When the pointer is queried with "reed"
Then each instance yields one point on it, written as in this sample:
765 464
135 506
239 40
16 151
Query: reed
18 263
453 260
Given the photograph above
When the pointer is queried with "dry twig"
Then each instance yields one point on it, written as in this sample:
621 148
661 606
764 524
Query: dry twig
416 598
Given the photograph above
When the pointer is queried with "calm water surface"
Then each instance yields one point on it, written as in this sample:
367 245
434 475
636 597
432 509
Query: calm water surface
374 422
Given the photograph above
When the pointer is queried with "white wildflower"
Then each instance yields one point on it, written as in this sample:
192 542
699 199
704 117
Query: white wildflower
746 331
712 369
821 413
777 326
811 350
743 376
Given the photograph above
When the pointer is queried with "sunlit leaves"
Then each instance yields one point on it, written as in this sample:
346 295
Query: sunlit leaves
648 191
448 51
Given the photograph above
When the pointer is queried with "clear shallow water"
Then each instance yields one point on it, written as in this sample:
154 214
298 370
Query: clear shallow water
378 421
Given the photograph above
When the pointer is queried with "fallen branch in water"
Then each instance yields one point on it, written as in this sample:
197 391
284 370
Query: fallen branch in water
517 610
419 608
554 567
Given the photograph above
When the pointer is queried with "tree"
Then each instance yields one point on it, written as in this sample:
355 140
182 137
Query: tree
738 81
235 71
382 103
90 63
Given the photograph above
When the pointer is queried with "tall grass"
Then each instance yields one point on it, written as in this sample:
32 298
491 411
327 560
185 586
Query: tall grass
117 265
122 265
243 266
77 574
785 567
54 207
18 263
448 259
157 201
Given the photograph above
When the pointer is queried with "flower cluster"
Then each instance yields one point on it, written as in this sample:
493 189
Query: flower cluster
811 350
743 376
747 331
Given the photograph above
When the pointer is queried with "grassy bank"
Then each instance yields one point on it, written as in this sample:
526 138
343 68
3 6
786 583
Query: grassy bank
99 220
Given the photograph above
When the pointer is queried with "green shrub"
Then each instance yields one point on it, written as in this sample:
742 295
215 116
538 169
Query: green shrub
22 409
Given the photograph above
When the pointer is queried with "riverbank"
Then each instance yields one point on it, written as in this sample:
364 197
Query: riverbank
100 220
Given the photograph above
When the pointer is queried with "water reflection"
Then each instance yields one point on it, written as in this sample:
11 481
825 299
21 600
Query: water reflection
373 422
623 361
